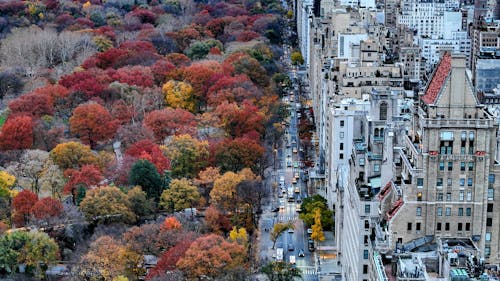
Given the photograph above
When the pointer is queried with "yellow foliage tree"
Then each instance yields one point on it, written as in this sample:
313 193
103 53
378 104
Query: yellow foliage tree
179 95
317 229
223 193
7 181
181 194
86 5
239 235
72 155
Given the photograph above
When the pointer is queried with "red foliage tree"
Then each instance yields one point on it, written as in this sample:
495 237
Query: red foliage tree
246 36
56 92
87 176
169 259
133 75
233 89
17 133
238 121
201 75
123 112
146 149
33 104
184 36
169 121
144 15
90 82
92 123
234 155
178 60
106 59
243 63
47 208
22 204
107 31
160 70
138 46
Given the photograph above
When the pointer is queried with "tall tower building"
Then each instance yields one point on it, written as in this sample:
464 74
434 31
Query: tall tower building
446 179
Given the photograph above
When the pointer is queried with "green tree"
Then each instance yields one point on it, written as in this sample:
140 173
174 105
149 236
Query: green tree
278 229
180 194
297 58
309 206
280 271
145 175
140 204
197 50
34 249
107 204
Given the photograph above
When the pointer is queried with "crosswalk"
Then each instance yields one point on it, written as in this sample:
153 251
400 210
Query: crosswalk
287 217
307 270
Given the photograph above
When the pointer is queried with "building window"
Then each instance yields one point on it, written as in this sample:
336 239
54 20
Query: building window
462 182
420 182
341 123
460 212
487 237
438 226
383 111
461 195
441 166
467 226
341 135
419 211
419 196
448 196
491 193
469 182
449 181
440 197
489 209
439 211
448 211
408 227
361 161
341 146
491 178
439 182
365 254
459 226
462 166
469 195
341 156
471 166
487 252
447 226
468 212
365 269
376 168
489 221
450 166
367 209
417 226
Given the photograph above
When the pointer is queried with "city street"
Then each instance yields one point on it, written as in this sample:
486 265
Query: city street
288 166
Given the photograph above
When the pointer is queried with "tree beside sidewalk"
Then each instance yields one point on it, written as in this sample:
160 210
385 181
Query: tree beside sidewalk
278 229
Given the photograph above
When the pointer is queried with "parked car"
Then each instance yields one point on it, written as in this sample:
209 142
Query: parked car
301 253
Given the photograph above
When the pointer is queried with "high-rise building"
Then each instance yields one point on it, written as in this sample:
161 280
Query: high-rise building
445 180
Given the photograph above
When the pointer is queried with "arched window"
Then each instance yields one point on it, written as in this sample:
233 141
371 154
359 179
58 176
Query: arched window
383 111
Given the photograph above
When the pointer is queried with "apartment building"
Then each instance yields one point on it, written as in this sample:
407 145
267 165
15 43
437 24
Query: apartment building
446 175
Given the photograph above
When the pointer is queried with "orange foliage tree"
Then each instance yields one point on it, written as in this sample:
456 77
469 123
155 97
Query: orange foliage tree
92 123
211 256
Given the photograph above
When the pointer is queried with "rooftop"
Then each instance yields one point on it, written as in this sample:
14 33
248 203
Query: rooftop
438 78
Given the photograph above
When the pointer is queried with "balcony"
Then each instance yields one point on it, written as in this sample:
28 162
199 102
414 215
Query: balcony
460 123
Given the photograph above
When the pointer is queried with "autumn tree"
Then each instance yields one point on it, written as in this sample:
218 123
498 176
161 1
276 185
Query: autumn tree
211 256
32 104
181 194
169 122
107 259
47 208
317 230
238 121
107 204
169 259
278 229
34 249
309 206
216 221
140 204
22 205
92 123
145 175
205 180
179 95
297 58
281 271
188 155
239 235
171 223
17 133
234 155
72 155
223 193
80 180
242 63
147 150
31 168
7 181
52 180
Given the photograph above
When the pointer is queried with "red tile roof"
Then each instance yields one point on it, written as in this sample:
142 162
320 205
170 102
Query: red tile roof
442 71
